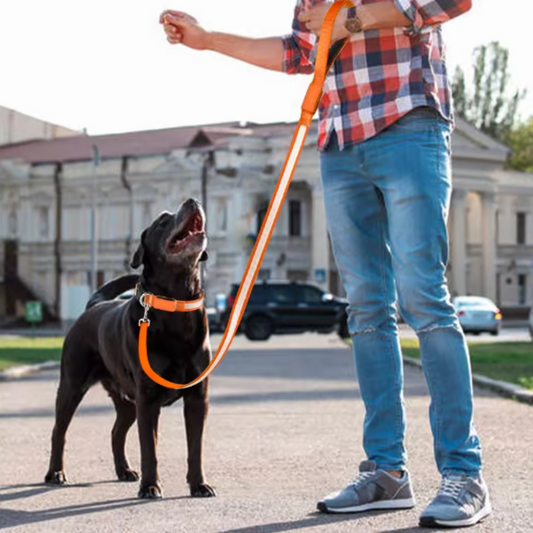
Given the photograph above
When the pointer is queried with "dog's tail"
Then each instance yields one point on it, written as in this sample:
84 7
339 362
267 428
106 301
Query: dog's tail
113 288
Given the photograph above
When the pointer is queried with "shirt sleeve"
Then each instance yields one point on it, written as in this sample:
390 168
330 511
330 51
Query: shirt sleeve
431 12
299 46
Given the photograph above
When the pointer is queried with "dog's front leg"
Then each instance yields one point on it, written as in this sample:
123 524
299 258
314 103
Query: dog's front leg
147 422
195 407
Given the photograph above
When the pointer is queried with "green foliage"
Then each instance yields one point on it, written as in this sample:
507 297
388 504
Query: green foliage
521 142
505 361
487 102
26 351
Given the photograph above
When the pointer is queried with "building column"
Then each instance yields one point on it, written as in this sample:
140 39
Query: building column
458 241
489 245
319 241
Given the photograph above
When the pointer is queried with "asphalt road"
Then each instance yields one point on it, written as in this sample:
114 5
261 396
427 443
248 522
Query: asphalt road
284 430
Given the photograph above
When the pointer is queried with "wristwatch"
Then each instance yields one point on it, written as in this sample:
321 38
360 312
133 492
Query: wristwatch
353 22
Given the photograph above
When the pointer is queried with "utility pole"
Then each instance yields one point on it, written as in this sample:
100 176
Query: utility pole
94 220
208 162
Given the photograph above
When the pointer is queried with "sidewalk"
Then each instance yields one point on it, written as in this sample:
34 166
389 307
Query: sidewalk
284 430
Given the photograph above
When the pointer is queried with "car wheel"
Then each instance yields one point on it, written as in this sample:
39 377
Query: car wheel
343 330
258 328
495 332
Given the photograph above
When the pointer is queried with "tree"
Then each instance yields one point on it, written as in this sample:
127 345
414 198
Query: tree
489 104
521 142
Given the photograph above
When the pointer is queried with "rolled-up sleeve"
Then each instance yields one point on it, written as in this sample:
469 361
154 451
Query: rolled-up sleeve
299 46
431 12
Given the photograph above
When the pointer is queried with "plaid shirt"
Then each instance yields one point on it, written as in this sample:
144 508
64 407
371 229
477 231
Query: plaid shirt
380 75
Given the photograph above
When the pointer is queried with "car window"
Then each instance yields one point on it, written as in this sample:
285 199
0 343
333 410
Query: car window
281 294
259 295
308 294
473 302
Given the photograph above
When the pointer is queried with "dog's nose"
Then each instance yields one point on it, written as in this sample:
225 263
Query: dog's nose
192 202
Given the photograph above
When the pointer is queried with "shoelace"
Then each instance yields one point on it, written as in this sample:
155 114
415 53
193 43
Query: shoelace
363 476
452 486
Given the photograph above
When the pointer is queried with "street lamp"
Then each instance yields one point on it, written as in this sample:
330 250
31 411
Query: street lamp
94 219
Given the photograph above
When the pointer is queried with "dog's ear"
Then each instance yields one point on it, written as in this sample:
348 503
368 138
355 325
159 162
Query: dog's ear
204 256
138 256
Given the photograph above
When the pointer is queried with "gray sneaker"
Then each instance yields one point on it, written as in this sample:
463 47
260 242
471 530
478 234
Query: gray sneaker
373 489
461 501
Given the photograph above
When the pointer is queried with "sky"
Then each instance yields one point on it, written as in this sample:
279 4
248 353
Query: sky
105 65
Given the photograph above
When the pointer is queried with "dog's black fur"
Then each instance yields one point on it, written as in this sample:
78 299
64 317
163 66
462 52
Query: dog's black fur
102 347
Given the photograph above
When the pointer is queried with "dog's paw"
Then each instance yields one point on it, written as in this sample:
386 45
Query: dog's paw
128 475
150 492
56 478
203 491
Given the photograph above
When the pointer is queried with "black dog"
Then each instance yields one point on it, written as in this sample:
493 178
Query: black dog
102 347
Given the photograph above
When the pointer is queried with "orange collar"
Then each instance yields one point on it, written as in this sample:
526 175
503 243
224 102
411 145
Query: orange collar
161 303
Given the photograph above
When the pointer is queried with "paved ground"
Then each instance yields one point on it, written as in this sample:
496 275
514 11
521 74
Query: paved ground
283 431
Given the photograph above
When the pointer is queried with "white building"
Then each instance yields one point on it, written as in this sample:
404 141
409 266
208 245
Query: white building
46 190
17 127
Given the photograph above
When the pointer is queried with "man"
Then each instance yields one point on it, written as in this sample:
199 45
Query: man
384 142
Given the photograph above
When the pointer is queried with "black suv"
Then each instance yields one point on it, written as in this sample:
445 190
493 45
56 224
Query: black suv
288 307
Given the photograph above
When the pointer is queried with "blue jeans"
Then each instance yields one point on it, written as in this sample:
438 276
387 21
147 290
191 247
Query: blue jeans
387 202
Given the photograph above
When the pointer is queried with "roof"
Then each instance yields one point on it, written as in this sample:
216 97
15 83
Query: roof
140 143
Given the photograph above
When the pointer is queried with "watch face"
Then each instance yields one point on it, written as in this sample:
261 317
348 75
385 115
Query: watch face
353 25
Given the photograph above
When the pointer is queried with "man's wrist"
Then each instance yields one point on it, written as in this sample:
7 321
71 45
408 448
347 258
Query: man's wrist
210 41
353 22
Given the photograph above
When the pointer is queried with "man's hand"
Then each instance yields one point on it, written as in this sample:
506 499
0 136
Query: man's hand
181 28
313 19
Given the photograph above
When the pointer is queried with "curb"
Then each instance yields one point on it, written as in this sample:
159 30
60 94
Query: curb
18 372
503 388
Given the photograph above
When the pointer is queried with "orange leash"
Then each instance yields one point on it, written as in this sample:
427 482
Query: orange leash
324 60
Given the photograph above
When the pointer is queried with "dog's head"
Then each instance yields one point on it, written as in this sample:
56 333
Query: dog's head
174 242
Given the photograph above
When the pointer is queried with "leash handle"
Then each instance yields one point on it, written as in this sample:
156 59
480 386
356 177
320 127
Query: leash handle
324 60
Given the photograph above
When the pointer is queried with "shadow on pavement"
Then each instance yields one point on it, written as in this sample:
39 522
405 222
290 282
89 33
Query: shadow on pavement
10 518
89 410
286 396
317 520
34 489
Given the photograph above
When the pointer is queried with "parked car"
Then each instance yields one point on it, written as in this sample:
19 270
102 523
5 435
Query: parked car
478 314
531 322
288 307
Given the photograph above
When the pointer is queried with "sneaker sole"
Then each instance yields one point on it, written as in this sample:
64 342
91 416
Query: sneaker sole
431 521
382 505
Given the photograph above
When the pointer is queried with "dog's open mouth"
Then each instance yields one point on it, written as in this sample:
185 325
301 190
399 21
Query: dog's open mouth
190 232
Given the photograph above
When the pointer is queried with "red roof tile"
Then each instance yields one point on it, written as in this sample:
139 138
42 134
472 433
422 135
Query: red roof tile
139 143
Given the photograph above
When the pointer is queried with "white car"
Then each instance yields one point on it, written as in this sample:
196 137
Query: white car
478 314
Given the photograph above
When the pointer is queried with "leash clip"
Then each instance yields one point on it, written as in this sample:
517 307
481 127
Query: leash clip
144 319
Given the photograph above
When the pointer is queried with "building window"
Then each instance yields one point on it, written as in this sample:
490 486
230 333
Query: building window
12 223
521 228
295 218
297 275
261 214
44 222
146 214
522 289
222 215
72 223
263 274
100 278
